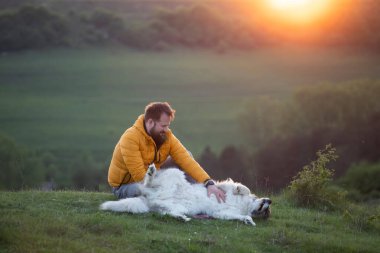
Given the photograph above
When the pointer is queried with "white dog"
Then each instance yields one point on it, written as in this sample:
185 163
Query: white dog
168 192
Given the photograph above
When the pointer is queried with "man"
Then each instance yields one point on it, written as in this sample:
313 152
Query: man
149 141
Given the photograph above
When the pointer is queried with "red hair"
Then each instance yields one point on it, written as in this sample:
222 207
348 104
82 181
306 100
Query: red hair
154 111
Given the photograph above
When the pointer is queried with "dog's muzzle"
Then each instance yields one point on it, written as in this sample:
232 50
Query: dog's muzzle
264 209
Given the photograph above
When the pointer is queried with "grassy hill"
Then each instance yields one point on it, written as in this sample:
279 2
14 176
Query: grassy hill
34 221
85 99
73 105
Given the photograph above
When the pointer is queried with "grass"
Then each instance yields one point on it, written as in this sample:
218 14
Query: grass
34 221
85 99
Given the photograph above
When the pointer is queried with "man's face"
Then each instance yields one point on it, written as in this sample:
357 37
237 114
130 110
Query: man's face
159 128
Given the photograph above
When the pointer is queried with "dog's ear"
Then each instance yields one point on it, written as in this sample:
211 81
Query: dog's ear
241 190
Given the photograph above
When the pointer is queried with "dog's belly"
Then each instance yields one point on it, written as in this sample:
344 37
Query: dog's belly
190 199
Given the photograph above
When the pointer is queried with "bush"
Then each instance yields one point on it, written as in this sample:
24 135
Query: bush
86 173
31 27
362 218
286 133
311 186
19 167
198 26
232 163
104 26
364 179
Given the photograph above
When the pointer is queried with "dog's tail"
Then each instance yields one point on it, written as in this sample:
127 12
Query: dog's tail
131 205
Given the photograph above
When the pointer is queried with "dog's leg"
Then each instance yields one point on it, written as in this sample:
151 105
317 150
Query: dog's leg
177 215
229 216
150 173
172 209
131 205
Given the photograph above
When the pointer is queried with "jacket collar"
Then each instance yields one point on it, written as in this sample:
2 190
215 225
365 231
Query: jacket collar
140 125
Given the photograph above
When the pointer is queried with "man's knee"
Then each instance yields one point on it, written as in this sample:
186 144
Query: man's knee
127 191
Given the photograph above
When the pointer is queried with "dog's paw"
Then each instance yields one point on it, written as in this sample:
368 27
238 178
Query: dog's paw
185 218
241 190
104 206
151 170
248 220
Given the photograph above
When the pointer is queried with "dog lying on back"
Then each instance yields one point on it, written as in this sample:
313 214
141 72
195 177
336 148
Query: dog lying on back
169 193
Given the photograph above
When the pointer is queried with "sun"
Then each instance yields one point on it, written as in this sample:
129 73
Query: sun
296 11
289 4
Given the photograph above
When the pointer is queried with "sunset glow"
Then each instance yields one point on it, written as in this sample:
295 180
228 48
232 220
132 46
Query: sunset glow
296 12
285 4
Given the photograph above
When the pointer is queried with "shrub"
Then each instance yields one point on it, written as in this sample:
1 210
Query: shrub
192 27
31 27
232 162
362 179
86 173
19 166
311 186
362 218
104 26
286 133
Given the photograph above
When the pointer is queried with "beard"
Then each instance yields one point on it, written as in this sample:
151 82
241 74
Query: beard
158 137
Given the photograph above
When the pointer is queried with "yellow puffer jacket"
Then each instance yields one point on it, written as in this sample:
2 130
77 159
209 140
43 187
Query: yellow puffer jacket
136 150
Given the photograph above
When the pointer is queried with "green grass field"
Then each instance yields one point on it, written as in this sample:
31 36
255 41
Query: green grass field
85 99
34 221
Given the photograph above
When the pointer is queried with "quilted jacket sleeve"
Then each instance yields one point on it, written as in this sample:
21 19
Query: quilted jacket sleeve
183 158
131 153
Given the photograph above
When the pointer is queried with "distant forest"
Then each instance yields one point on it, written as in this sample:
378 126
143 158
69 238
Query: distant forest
162 25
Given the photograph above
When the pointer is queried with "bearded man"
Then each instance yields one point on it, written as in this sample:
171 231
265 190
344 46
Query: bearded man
149 141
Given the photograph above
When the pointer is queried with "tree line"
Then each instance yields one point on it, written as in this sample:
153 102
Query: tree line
25 168
194 26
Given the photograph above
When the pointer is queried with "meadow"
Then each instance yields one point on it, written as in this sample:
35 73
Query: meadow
34 221
66 105
83 99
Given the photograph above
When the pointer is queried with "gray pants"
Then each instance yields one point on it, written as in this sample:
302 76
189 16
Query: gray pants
127 191
133 190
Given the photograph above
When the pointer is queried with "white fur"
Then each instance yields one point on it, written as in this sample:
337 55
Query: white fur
168 192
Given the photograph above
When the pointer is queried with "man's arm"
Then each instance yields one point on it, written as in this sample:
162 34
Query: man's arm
185 161
129 146
182 157
213 189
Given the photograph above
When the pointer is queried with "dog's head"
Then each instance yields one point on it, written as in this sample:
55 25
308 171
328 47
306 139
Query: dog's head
257 207
261 208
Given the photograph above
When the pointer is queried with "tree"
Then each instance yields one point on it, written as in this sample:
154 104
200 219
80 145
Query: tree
346 115
209 161
85 172
31 27
19 167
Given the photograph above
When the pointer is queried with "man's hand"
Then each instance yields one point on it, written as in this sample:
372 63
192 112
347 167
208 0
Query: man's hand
219 194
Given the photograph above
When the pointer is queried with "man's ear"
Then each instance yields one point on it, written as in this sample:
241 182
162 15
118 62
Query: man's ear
149 124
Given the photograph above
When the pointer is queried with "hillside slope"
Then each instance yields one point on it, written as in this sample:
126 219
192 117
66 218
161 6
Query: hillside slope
34 221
